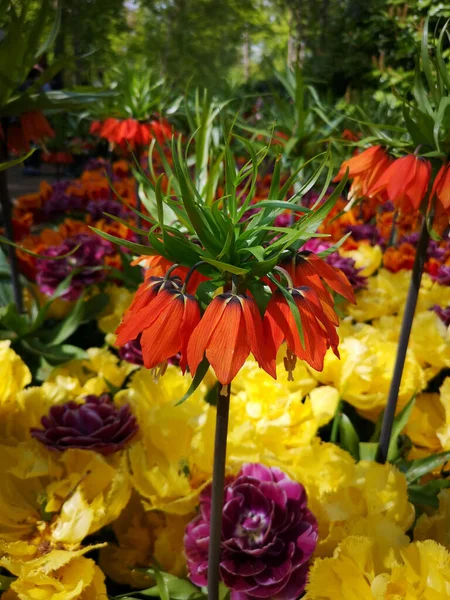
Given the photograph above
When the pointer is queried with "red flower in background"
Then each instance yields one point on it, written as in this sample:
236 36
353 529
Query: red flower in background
33 127
132 131
230 329
405 182
364 169
441 188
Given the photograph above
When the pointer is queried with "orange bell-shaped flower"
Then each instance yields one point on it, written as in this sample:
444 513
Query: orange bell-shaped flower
364 169
405 182
230 329
165 317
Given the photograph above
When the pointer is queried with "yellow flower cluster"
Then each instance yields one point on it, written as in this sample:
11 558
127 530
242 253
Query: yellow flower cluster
382 568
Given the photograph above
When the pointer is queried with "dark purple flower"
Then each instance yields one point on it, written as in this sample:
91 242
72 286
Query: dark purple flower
268 536
388 206
105 205
96 164
132 352
347 266
443 275
88 258
94 425
60 203
365 232
442 313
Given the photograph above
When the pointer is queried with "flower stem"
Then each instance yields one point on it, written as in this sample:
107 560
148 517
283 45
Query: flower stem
408 316
218 484
9 231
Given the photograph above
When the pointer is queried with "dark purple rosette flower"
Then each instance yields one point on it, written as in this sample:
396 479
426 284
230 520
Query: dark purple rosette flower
88 260
365 232
95 425
443 275
132 352
442 313
60 202
97 208
268 536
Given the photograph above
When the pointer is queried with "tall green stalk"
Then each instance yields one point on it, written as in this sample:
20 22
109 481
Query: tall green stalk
218 484
408 316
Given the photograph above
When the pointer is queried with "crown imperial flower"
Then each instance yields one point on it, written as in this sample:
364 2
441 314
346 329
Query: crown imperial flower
268 536
95 425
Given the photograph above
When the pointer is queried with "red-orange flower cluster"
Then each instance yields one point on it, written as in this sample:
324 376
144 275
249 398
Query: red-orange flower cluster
33 127
364 169
132 131
404 181
169 322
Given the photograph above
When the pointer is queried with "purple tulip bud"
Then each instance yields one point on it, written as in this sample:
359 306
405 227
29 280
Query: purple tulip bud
95 425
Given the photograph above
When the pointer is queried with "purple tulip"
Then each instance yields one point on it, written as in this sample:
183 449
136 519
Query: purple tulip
94 425
87 260
268 536
442 313
104 205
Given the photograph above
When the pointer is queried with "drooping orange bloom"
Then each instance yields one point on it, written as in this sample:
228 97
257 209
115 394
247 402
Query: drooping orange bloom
33 127
308 269
133 132
405 182
319 322
364 168
229 330
441 187
95 127
157 266
165 317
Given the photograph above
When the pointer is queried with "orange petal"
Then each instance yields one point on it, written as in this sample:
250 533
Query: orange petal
202 333
228 347
161 340
262 348
191 318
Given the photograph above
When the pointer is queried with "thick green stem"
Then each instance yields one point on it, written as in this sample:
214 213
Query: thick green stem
408 316
218 484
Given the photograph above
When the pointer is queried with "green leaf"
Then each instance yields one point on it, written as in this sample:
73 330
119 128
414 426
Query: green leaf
5 582
199 376
15 161
368 450
416 469
173 587
136 248
427 494
399 424
349 439
224 266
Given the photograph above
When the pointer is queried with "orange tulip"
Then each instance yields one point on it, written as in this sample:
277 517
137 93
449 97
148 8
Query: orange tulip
165 317
405 182
364 169
230 329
